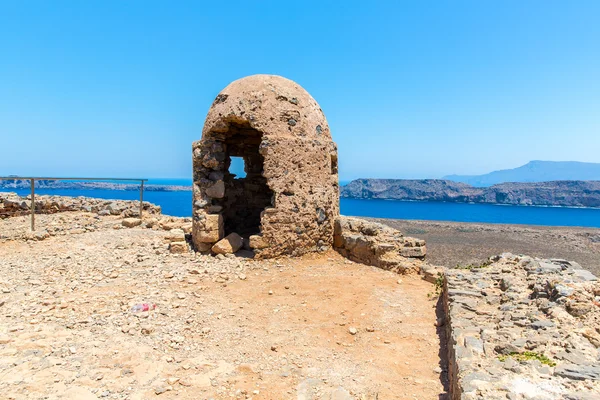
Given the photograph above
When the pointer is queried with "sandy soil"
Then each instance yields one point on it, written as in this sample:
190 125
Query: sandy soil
224 328
452 243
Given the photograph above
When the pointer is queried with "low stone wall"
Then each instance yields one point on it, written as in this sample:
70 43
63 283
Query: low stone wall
12 205
378 245
523 328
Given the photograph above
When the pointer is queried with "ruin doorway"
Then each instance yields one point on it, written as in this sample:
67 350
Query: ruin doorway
245 196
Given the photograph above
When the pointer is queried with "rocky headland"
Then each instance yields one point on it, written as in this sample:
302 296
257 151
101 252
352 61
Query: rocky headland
556 193
82 185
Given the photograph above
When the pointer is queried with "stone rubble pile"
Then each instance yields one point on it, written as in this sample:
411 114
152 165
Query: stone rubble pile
378 245
523 328
12 205
81 215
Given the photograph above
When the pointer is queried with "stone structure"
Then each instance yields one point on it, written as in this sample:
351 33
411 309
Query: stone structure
523 328
378 245
11 205
289 199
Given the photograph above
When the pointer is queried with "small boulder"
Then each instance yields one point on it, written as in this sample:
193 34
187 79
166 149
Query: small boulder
229 244
187 227
175 235
257 242
178 247
131 222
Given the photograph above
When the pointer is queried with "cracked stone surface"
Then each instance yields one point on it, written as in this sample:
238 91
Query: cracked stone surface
523 327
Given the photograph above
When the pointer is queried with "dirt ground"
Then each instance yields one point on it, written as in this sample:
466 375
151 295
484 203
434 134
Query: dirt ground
317 327
452 243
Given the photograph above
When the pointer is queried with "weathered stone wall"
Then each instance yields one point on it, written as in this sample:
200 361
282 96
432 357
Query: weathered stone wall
375 244
12 205
291 161
523 328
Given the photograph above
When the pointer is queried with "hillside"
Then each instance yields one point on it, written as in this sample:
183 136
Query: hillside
535 171
556 193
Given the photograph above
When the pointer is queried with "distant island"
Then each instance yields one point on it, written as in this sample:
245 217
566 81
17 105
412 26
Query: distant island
80 185
555 193
534 171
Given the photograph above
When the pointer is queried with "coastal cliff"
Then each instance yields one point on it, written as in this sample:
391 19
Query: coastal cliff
81 185
556 193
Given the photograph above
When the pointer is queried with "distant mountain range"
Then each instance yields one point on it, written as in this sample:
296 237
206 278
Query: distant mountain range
534 171
557 193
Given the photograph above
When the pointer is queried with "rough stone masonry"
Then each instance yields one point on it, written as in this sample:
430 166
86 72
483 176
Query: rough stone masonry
523 328
289 199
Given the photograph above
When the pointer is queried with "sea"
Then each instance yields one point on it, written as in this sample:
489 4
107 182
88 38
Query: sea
180 204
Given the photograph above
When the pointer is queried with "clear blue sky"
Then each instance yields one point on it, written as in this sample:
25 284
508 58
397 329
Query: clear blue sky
411 89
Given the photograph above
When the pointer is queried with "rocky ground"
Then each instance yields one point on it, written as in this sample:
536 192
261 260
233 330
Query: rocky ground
452 243
316 327
524 328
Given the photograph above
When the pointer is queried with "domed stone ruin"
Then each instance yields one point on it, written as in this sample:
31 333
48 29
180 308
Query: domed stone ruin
288 200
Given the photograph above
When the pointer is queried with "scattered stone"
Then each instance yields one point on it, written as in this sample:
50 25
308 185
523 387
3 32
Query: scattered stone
175 235
178 247
542 324
131 222
578 372
230 244
147 329
376 244
584 275
160 390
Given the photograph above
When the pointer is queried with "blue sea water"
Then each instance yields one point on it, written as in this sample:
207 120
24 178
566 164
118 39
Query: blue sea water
180 204
170 182
152 181
462 212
